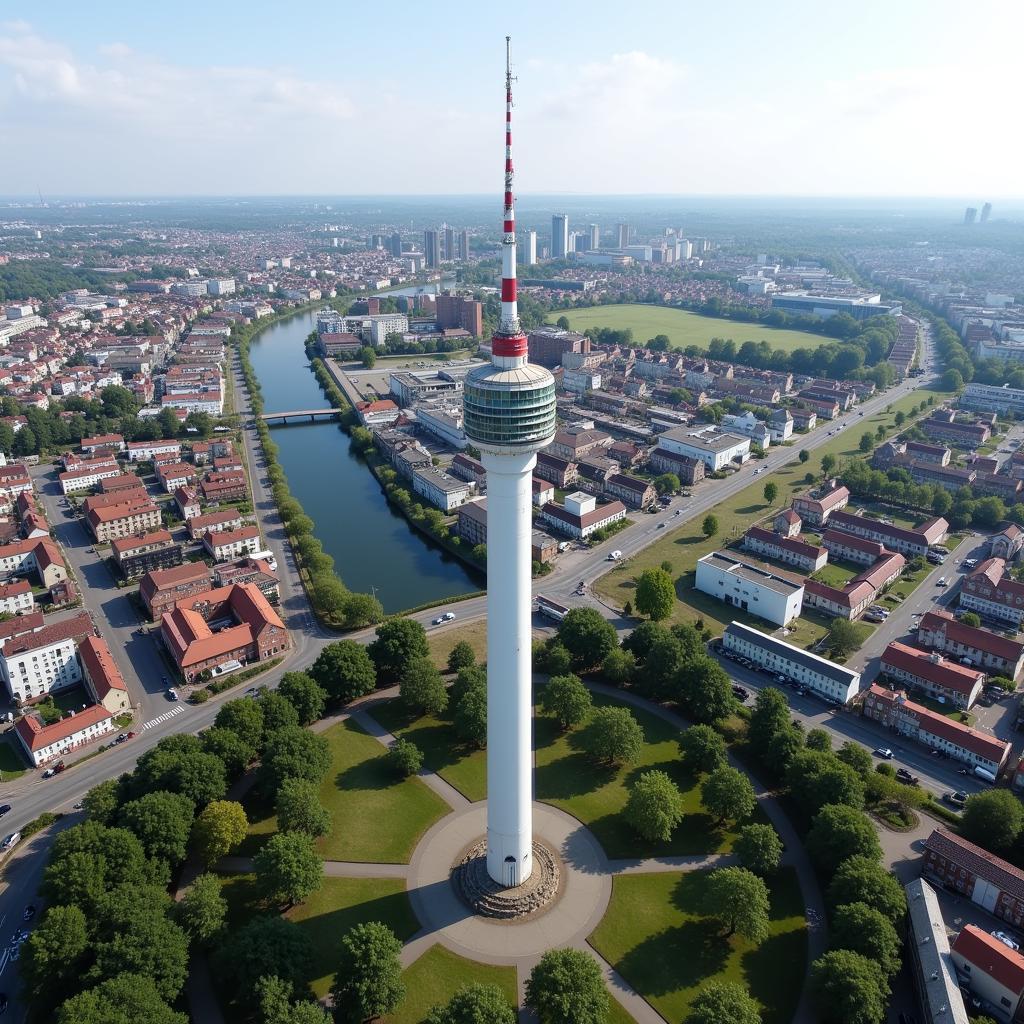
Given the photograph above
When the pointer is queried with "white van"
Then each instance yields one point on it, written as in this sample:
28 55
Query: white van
984 773
615 556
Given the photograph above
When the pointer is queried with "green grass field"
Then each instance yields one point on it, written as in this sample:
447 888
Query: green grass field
360 791
684 328
441 642
684 545
12 764
437 975
655 934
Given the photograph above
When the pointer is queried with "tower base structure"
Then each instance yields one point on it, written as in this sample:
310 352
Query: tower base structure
488 898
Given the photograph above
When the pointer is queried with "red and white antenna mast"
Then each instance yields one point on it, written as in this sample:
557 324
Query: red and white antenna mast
509 342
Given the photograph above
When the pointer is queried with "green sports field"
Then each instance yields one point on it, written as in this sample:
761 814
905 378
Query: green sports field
683 328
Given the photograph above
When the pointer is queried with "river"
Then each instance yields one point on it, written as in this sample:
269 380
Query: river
373 547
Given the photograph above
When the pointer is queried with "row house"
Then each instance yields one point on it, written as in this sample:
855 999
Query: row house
175 474
213 522
563 473
826 408
631 490
816 506
43 743
997 655
929 671
943 425
989 592
972 747
952 478
844 547
102 444
571 443
747 391
909 542
144 451
467 468
996 485
121 482
804 419
224 487
852 600
689 470
103 680
85 478
135 556
123 519
804 556
594 473
844 399
228 544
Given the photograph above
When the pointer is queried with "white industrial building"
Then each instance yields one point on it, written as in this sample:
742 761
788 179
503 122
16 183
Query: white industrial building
748 425
824 677
749 587
580 515
992 398
444 423
714 447
441 490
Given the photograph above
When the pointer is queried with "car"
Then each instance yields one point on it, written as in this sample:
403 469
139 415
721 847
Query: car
902 775
661 526
1006 940
447 617
10 841
884 752
121 737
942 582
678 512
957 799
172 693
49 773
131 735
4 809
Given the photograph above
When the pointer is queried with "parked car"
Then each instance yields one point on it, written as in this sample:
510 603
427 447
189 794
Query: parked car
884 752
957 799
902 775
11 841
4 808
1006 940
172 693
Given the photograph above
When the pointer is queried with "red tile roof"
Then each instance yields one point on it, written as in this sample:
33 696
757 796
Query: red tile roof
986 953
35 735
931 667
969 636
100 667
977 861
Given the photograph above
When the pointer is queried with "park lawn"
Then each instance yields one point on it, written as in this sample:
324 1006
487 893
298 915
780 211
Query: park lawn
459 765
834 574
684 545
568 778
437 975
441 642
683 327
656 936
360 791
12 764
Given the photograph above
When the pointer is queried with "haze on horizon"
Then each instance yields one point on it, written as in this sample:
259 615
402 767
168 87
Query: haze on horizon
916 99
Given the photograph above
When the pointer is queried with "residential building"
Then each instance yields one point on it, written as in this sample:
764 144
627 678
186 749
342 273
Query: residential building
256 634
943 425
213 522
816 506
580 515
223 545
825 678
987 591
572 443
102 443
548 344
40 556
630 490
715 448
146 552
543 492
457 311
780 425
749 586
804 419
144 451
120 484
846 547
175 474
563 473
909 542
441 490
689 470
102 677
938 677
14 480
123 519
86 478
187 502
467 468
559 236
33 664
43 743
248 570
163 588
856 596
804 556
224 487
966 869
748 425
979 648
16 598
973 747
992 971
928 958
1007 543
444 423
998 398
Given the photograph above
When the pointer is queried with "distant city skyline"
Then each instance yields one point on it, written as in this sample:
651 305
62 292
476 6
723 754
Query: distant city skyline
662 99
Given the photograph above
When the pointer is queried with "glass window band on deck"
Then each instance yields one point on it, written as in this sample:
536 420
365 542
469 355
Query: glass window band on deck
506 416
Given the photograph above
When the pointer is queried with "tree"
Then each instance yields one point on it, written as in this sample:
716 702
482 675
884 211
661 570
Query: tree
704 689
848 988
856 756
587 636
723 1002
244 717
274 995
120 1000
771 492
863 879
867 442
567 985
52 957
864 930
804 455
266 946
828 463
203 909
654 807
567 699
993 819
971 619
710 525
178 764
613 736
769 717
728 795
163 822
702 749
299 808
399 642
278 712
220 827
759 849
900 418
368 357
422 688
288 868
816 779
474 1004
405 757
368 981
739 899
553 658
655 594
951 381
294 751
461 656
667 483
470 716
618 666
229 747
101 803
304 694
839 833
345 670
842 638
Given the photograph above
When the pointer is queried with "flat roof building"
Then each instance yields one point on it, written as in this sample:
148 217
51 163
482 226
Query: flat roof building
750 587
715 448
932 966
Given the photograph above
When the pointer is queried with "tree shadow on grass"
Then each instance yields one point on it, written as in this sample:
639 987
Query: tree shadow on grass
775 973
372 774
697 538
571 776
748 510
676 958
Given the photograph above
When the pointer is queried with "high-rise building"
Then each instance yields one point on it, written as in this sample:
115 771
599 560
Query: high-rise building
464 246
986 212
595 237
377 241
395 246
432 248
970 214
559 236
509 414
456 311
529 252
579 241
623 233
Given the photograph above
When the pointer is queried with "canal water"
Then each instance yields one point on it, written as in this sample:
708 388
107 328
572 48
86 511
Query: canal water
373 547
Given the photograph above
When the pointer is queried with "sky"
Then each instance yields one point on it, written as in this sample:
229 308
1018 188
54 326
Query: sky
794 98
